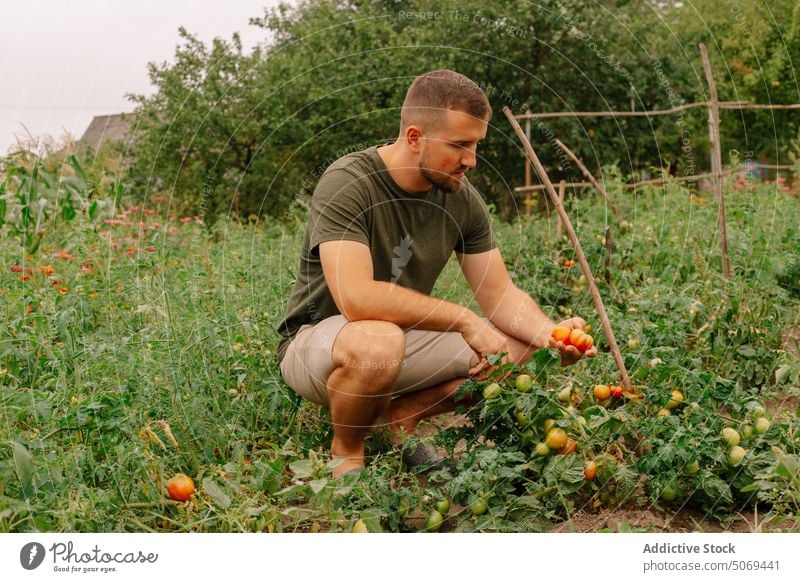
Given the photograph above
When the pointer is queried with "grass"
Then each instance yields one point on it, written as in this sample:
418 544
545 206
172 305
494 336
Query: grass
130 353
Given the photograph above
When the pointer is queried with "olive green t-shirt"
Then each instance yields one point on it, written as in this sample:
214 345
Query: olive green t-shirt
410 236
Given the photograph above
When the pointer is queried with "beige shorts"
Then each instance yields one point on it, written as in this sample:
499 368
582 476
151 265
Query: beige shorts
431 357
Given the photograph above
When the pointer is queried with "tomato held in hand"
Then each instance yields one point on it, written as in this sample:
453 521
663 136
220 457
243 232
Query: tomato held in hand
561 334
579 339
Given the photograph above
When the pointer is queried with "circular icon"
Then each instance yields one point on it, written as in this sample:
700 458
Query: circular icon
31 555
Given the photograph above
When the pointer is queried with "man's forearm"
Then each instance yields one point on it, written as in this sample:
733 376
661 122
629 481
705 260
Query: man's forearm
518 315
408 308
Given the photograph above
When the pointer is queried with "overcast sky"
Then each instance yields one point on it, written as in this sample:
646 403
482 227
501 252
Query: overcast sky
64 61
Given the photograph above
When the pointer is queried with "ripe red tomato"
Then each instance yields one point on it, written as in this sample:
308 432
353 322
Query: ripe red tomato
583 342
180 487
616 391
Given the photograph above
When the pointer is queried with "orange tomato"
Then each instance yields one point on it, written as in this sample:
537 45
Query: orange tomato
569 447
561 334
601 391
180 487
590 472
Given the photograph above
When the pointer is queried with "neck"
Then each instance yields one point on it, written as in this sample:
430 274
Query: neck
403 168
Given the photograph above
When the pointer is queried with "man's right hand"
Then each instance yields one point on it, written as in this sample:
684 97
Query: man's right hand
485 340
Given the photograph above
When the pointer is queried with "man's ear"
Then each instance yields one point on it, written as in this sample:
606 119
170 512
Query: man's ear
414 138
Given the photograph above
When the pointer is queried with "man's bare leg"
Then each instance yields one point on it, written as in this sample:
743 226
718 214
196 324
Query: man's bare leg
367 356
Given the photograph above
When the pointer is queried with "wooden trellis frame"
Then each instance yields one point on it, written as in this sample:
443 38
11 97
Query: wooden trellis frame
716 174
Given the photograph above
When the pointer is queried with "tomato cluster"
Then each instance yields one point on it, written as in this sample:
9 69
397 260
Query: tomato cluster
573 337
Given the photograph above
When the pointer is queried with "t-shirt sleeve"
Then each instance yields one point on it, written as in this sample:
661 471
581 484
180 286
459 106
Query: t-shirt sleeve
478 236
339 208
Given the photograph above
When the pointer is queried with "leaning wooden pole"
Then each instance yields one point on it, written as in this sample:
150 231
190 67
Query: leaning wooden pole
716 160
528 198
598 301
589 176
562 187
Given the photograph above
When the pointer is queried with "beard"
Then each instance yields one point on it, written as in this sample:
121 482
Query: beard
441 180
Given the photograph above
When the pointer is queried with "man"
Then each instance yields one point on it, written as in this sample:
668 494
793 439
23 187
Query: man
361 333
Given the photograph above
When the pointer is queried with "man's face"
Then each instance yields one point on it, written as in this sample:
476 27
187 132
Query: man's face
449 151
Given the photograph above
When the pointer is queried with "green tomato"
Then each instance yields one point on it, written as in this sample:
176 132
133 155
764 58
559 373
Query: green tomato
747 431
736 455
443 506
402 508
670 493
762 425
434 521
524 383
492 391
692 468
541 450
521 418
730 436
479 507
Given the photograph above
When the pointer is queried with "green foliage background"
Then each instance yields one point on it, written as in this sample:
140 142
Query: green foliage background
251 131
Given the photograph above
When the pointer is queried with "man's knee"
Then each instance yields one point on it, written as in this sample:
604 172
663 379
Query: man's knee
370 346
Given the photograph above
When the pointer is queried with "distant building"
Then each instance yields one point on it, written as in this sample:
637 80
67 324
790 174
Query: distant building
108 128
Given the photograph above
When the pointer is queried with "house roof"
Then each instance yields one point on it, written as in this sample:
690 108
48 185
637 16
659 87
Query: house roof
105 128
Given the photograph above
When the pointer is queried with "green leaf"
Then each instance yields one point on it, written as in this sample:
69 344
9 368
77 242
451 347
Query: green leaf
68 213
781 374
23 461
318 485
302 469
372 519
717 489
788 467
747 351
217 495
76 165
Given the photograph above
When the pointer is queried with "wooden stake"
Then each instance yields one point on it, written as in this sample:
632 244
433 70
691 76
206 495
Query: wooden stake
716 160
588 175
528 201
562 187
609 249
598 301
